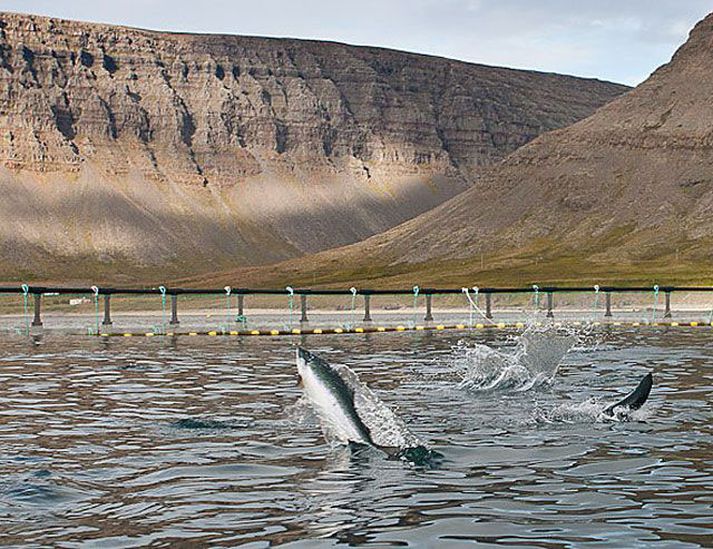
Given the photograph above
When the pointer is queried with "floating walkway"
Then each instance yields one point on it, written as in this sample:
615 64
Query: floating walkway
385 329
658 310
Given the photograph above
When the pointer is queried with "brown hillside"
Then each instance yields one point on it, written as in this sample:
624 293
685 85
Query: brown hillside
133 155
624 195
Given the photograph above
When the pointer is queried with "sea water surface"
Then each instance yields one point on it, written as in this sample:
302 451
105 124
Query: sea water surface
205 441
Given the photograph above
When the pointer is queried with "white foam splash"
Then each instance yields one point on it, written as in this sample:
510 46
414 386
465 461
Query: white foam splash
531 363
386 428
591 411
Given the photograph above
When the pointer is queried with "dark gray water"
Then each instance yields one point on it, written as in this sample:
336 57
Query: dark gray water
199 442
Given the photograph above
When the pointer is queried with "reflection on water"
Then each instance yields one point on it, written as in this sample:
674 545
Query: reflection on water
201 441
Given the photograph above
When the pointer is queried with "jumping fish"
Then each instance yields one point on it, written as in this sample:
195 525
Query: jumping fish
333 393
633 401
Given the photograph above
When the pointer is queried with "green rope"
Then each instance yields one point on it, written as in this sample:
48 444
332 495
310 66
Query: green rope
352 320
228 307
25 295
476 291
96 309
162 289
291 301
471 304
416 289
656 303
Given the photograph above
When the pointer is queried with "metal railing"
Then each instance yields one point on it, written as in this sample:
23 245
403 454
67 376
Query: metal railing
304 293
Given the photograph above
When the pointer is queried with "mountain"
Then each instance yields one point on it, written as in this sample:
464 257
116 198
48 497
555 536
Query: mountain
128 154
625 195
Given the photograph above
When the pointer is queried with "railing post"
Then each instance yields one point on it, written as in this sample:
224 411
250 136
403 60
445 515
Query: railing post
429 313
37 321
174 310
550 305
607 313
303 304
367 310
667 312
107 310
488 305
241 305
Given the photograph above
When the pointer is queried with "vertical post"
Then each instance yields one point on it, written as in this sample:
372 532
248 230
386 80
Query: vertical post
607 313
303 304
174 310
550 305
241 305
367 310
37 321
429 313
107 310
667 312
488 305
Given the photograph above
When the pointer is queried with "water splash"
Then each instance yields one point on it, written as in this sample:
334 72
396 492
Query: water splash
591 411
532 362
385 427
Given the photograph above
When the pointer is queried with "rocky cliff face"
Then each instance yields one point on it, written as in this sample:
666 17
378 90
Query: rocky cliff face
158 149
624 194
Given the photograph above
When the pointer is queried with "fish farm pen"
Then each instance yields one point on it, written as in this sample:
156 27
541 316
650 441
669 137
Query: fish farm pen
250 312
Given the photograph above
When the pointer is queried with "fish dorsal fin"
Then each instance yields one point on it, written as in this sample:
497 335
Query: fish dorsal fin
635 399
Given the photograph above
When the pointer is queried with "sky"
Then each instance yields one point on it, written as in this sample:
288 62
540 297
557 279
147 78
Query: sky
618 40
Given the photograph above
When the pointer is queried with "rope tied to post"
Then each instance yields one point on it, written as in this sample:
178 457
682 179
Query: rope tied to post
536 289
596 299
471 306
352 321
25 297
416 290
228 304
95 289
656 303
290 300
474 304
162 289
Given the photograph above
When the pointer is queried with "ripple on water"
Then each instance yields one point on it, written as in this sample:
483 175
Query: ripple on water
205 441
